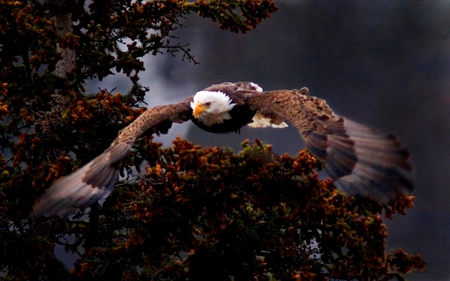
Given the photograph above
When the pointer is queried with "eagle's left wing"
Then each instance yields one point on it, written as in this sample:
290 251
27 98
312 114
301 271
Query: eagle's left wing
360 160
96 179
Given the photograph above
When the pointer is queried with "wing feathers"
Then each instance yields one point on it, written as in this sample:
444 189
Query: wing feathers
376 165
318 144
86 185
96 179
341 161
360 160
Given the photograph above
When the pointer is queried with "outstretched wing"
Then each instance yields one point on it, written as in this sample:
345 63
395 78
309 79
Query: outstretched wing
361 161
96 179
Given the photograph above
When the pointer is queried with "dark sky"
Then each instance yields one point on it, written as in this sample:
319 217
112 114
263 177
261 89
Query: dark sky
382 63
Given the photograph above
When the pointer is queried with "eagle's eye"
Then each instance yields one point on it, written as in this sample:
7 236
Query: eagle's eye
208 103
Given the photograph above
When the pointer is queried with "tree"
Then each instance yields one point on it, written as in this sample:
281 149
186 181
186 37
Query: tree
194 213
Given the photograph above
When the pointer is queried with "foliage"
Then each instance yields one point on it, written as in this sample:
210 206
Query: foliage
208 214
194 211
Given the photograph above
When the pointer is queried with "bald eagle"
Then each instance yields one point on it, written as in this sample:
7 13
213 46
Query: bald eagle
361 161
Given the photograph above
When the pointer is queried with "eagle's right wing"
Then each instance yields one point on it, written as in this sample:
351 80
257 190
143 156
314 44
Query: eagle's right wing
95 180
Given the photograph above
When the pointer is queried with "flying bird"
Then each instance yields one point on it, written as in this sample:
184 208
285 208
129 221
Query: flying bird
360 161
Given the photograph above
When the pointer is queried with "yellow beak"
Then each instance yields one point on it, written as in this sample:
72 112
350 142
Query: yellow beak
199 109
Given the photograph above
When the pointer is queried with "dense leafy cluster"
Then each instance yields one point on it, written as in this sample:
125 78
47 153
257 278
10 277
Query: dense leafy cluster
193 213
109 35
209 214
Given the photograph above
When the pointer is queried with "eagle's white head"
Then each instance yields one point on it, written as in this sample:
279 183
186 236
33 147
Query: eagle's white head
211 107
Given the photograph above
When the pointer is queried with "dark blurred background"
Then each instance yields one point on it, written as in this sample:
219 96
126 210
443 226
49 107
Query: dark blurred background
382 63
